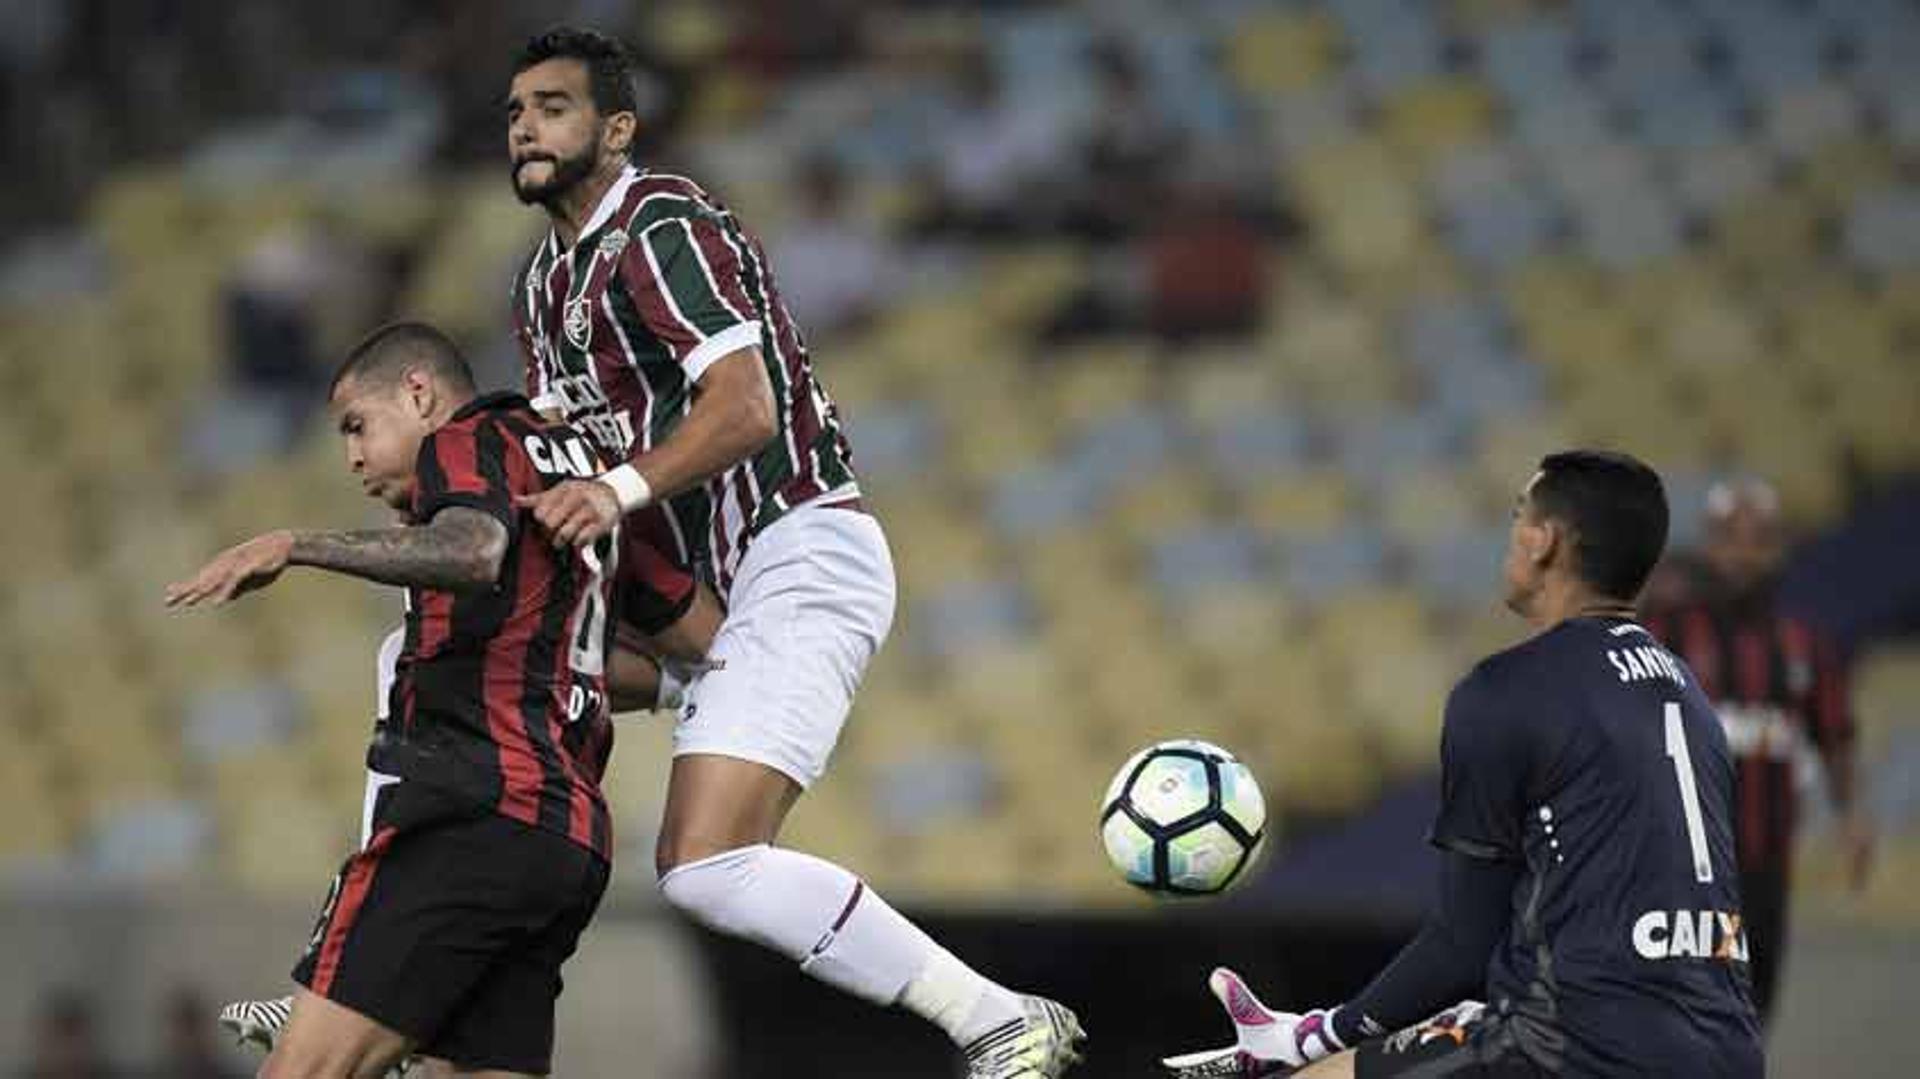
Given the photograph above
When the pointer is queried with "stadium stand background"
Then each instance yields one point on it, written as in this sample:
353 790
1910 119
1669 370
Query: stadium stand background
1191 354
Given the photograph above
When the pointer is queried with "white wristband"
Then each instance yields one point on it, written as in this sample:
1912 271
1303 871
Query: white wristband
629 486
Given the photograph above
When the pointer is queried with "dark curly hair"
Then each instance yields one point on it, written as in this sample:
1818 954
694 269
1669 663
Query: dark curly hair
609 65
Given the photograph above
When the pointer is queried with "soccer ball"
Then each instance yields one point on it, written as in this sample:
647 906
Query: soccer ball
1182 818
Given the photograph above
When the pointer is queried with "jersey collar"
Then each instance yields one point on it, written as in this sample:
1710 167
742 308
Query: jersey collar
490 402
603 210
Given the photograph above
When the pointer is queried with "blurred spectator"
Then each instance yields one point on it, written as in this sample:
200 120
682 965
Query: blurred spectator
1207 267
990 155
66 1043
189 1050
1127 148
834 266
1781 691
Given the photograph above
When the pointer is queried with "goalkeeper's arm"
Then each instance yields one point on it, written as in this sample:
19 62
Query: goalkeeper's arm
1447 962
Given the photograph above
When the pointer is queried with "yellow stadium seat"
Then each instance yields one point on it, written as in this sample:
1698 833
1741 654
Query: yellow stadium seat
935 544
36 806
1015 679
1092 382
1428 120
1304 502
1426 500
1069 563
1401 691
1225 385
1157 506
1651 293
1773 230
286 844
1276 52
1230 626
1835 174
1016 289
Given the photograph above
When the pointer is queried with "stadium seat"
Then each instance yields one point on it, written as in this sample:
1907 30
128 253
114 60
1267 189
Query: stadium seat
1426 121
1274 52
1300 502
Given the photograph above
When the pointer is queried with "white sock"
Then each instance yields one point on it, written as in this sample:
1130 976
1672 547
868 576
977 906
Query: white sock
840 932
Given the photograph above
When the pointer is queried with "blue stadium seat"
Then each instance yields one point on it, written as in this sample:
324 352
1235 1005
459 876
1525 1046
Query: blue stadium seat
1319 569
1039 498
1207 558
1529 59
1883 232
969 615
898 441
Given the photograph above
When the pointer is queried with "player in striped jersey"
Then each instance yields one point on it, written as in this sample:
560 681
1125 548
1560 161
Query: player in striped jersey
1780 689
446 931
650 318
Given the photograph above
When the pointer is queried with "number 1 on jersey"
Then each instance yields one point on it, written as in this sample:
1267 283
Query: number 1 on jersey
1689 794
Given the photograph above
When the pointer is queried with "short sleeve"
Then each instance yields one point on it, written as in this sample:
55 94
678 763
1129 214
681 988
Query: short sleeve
465 466
690 285
1483 773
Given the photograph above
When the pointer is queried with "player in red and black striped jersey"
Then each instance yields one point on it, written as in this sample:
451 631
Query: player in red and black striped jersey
446 932
1780 689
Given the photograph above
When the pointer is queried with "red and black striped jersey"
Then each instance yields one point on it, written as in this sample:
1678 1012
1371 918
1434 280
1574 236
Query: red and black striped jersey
1780 690
662 282
499 697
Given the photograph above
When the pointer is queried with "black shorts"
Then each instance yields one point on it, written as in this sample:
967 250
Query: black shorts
1481 1048
453 934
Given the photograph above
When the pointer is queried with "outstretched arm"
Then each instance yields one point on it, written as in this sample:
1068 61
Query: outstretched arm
1447 962
460 548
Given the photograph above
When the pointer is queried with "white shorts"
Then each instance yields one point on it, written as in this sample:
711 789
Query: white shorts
810 607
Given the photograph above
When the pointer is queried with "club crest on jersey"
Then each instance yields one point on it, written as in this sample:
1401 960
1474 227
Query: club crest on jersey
614 242
579 323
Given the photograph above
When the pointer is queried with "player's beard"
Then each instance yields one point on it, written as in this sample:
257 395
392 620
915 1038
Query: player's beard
567 172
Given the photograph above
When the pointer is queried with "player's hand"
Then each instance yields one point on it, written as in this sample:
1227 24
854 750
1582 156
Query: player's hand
1266 1042
234 572
574 513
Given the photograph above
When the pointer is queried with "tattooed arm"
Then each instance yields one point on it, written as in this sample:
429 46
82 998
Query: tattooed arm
459 549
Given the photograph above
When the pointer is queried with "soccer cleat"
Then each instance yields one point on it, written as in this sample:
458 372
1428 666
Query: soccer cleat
1231 1063
1041 1044
257 1022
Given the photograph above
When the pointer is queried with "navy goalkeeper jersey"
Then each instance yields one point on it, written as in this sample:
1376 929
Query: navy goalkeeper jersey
1589 755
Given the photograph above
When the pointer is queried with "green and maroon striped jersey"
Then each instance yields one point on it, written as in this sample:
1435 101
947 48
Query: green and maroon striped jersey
616 330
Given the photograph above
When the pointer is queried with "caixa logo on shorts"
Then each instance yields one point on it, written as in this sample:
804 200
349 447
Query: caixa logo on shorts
1690 934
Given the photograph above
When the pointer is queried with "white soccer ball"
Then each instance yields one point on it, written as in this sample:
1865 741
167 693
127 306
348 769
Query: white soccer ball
1183 818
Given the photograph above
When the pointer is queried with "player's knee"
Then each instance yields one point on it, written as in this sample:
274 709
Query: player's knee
710 889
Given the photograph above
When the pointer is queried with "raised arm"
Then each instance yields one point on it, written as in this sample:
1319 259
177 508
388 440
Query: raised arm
459 549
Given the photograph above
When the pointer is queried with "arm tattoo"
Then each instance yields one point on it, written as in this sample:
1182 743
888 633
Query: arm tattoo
460 548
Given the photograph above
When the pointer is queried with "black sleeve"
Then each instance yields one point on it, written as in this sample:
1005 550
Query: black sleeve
1447 962
1484 763
464 466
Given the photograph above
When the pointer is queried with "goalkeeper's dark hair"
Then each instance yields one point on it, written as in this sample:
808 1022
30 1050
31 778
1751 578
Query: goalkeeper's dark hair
610 77
1615 508
383 355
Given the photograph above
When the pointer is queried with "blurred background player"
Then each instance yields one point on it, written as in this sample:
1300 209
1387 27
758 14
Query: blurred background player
1779 685
1588 887
66 1041
650 319
489 853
